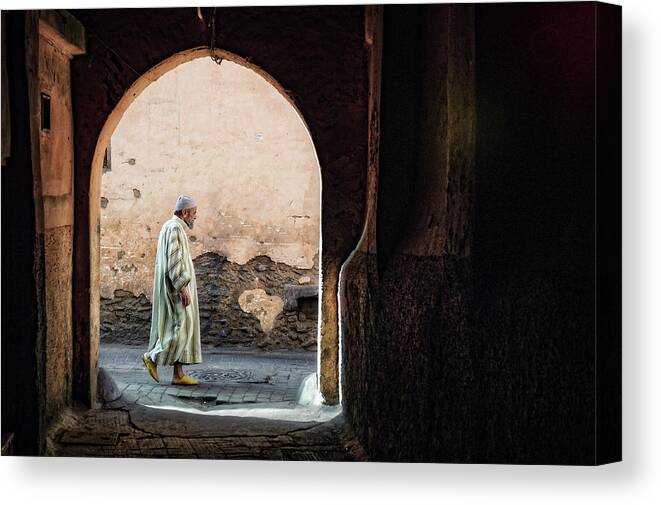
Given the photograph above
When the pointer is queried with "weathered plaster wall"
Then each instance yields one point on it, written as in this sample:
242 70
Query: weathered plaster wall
317 54
56 154
241 306
225 136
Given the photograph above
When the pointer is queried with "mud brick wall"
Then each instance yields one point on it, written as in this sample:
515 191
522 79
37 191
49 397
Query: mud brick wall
126 318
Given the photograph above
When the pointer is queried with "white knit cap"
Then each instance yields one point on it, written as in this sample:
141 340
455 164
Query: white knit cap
184 202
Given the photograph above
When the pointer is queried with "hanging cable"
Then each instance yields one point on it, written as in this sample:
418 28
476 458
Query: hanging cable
212 41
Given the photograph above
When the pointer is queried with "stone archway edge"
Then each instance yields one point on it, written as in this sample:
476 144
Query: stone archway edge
328 368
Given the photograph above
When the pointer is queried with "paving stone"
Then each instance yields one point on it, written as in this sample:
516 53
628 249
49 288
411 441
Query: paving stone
110 432
96 438
125 365
147 444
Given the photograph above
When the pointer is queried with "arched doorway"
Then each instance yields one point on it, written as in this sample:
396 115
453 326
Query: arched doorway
99 281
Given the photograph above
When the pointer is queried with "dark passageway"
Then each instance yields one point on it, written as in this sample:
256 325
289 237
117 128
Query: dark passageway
469 308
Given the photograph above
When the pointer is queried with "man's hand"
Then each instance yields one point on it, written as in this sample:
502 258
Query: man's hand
185 297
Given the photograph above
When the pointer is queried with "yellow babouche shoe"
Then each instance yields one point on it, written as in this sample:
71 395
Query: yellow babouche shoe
151 367
185 381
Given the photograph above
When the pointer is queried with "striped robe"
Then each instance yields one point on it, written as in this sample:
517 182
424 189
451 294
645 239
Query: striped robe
175 329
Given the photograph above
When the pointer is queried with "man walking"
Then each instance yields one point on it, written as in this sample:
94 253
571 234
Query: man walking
175 321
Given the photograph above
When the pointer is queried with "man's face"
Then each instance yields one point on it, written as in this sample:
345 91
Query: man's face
189 216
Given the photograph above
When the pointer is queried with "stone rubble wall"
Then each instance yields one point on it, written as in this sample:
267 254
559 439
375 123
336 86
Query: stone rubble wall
263 322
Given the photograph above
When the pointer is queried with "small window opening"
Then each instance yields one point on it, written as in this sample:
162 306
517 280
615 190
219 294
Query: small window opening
45 111
106 160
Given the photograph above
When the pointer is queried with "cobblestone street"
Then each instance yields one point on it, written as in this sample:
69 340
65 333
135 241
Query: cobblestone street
230 378
246 407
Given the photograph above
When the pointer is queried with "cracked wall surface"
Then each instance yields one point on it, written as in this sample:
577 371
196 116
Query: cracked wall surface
241 306
227 137
263 306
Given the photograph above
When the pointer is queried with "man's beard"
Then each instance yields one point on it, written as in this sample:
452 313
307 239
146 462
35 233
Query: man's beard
190 225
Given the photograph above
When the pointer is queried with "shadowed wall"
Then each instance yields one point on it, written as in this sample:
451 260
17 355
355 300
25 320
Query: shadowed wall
23 297
475 333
